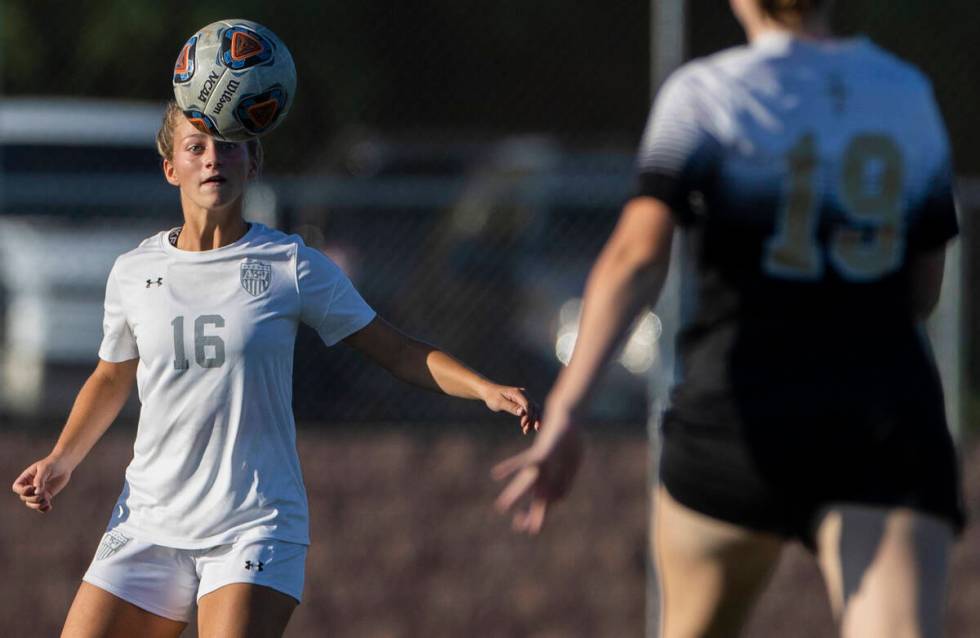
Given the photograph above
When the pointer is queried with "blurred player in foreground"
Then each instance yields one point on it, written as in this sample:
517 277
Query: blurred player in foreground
204 318
812 178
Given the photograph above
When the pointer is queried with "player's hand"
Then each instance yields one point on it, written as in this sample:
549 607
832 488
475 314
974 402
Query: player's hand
501 398
41 481
544 472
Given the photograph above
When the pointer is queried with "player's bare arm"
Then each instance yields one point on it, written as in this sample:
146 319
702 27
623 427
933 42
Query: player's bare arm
426 366
627 276
96 407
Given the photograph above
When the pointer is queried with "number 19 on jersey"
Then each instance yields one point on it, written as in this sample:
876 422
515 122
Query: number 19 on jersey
870 243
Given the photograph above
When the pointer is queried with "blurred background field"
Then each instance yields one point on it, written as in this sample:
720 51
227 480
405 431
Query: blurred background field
406 544
463 162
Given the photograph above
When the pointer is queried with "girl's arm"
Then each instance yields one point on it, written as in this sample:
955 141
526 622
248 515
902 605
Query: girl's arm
428 367
628 275
96 407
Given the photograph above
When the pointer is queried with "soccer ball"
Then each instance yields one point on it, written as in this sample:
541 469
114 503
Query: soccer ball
234 79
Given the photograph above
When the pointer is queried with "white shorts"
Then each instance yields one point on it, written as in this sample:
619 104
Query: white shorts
169 582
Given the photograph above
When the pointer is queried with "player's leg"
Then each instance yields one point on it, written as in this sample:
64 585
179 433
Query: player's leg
249 588
133 588
711 572
886 570
95 613
241 610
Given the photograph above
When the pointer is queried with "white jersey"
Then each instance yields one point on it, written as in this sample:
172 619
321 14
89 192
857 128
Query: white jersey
215 455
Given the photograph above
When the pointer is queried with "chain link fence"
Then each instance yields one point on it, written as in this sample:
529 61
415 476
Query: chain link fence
464 163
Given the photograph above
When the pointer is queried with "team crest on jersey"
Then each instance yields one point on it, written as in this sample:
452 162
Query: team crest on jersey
256 277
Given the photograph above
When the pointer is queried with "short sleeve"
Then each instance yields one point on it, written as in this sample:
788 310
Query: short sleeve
329 302
678 150
118 341
934 222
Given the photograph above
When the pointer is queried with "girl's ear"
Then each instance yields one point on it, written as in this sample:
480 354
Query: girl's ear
169 173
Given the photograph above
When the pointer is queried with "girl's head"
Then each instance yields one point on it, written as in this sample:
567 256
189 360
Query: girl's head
173 116
792 14
210 173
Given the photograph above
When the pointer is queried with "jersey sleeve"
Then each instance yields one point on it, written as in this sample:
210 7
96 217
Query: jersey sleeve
118 341
935 223
328 300
678 149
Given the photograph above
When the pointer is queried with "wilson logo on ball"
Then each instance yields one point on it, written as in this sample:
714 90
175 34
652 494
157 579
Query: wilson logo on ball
242 48
184 68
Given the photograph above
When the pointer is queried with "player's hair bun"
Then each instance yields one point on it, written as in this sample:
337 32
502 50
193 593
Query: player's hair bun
776 7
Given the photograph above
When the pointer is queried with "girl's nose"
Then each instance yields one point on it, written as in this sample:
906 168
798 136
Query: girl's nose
211 155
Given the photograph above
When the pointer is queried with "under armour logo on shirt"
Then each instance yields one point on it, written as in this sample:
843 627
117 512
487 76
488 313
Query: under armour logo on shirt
154 282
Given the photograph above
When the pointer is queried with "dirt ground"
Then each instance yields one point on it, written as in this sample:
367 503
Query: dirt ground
405 543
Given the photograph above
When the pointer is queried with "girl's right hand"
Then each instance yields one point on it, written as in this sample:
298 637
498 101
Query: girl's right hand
544 472
41 481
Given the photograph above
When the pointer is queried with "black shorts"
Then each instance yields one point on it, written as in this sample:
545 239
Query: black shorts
776 474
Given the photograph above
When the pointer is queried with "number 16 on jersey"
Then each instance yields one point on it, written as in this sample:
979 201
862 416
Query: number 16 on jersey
209 349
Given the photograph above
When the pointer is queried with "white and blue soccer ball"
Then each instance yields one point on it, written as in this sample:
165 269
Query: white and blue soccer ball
235 80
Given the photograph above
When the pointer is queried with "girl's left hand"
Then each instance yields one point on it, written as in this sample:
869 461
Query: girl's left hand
501 398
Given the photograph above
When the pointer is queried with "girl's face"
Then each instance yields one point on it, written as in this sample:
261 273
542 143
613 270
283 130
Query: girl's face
211 174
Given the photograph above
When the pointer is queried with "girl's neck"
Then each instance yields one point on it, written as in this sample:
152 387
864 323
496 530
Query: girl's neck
813 27
210 232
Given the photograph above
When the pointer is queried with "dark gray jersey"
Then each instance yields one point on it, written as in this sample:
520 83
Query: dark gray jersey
806 175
